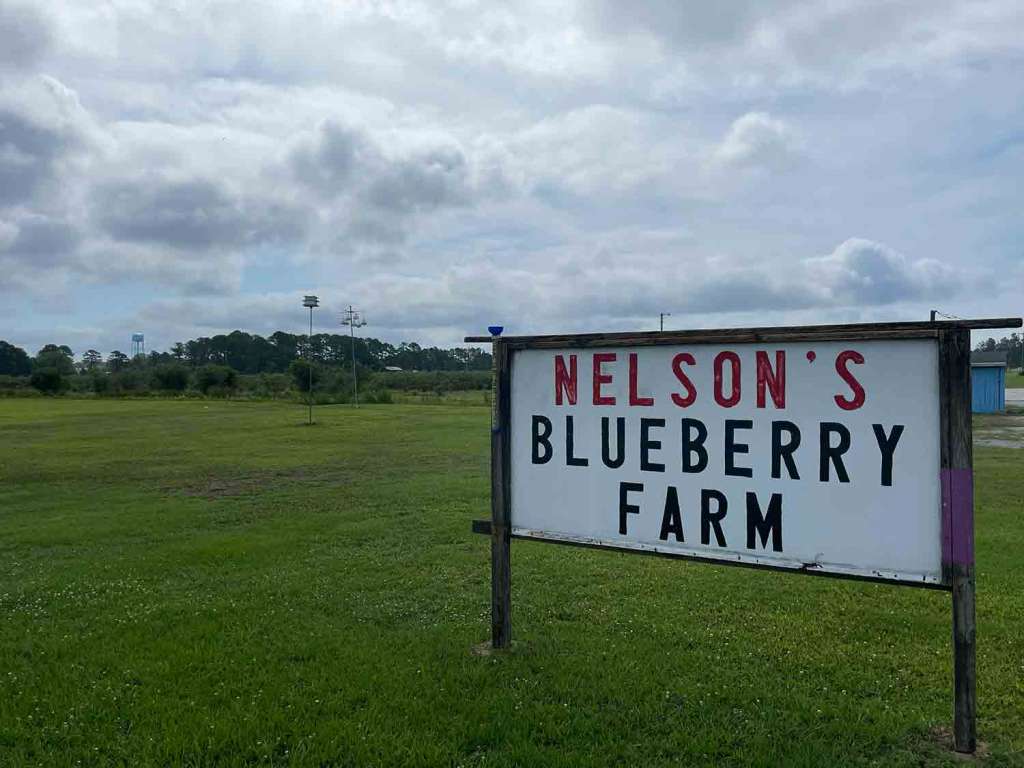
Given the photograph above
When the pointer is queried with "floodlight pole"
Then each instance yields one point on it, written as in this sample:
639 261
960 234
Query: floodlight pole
355 374
310 301
353 320
661 319
309 365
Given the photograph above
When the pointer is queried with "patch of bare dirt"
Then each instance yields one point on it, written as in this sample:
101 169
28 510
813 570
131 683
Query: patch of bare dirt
1000 431
942 735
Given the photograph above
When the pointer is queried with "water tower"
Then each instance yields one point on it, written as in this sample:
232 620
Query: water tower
138 345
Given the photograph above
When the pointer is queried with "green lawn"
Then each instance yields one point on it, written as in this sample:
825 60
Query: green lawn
1014 380
212 583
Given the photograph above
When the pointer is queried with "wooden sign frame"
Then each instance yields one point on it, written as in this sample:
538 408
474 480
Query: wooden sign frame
956 468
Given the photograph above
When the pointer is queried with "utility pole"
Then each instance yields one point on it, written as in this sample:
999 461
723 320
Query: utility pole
661 319
353 318
310 301
934 312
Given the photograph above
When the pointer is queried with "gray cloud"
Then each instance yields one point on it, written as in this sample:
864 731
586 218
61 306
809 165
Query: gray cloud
372 199
39 240
862 272
32 147
28 152
338 160
327 162
191 214
44 137
422 183
682 23
25 33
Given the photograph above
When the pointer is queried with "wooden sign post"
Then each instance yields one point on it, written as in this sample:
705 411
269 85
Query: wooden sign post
837 450
958 524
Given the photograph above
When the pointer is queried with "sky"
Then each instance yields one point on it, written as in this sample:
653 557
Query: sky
183 169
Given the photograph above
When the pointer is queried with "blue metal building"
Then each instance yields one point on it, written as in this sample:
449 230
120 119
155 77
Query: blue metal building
988 382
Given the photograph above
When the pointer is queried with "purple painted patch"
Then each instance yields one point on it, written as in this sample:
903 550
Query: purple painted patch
957 516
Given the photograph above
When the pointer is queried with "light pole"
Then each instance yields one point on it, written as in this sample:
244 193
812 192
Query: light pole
310 301
661 319
353 318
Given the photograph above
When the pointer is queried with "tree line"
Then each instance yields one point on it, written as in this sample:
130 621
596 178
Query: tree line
279 362
1013 345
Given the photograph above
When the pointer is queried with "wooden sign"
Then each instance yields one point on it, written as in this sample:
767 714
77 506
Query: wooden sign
839 450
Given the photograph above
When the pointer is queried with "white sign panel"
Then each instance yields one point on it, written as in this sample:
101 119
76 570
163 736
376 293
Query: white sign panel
817 455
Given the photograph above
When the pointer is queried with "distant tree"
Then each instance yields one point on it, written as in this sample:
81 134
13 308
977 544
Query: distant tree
100 382
92 360
1012 345
63 348
172 377
117 361
129 379
52 356
253 354
216 377
14 361
48 379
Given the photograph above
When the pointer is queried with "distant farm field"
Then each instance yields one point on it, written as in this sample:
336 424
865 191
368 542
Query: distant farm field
214 583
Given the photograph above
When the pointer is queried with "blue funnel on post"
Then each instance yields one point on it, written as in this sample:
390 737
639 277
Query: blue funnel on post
495 330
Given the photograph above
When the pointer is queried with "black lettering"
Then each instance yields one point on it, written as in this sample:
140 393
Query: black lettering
763 524
833 454
887 447
625 508
783 452
672 520
620 433
694 445
647 445
570 459
709 519
732 447
541 440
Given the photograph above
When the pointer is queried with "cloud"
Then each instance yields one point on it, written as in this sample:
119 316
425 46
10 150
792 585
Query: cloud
41 240
595 288
681 24
371 200
191 214
327 161
756 139
863 272
421 183
25 33
779 44
42 130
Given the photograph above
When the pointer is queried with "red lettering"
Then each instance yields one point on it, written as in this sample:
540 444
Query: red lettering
734 361
690 397
774 382
634 375
565 381
849 404
600 378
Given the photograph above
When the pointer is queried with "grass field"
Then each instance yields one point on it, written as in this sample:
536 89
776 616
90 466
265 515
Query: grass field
1014 380
212 583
